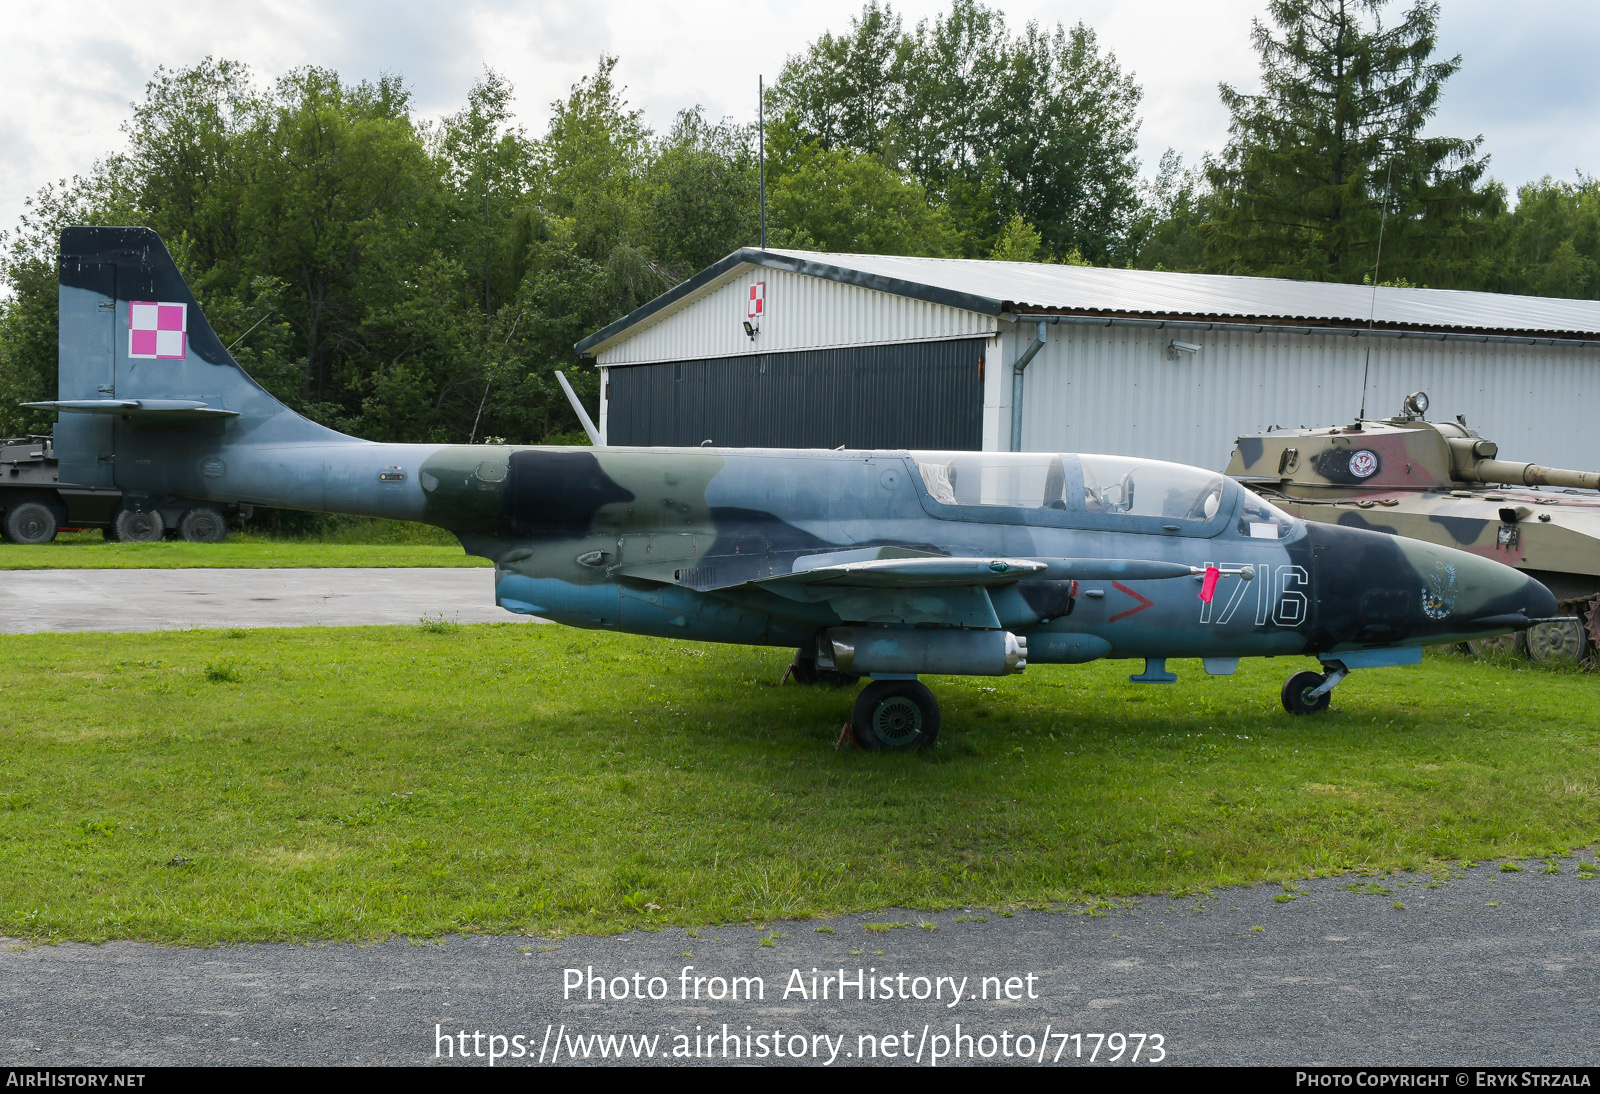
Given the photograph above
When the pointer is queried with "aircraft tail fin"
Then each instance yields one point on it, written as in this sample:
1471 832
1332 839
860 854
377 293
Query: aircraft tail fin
143 376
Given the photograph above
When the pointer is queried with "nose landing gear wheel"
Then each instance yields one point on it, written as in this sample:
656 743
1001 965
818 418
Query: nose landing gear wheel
1297 693
895 715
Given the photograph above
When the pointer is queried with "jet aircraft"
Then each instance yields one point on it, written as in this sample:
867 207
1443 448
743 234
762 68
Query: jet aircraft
880 564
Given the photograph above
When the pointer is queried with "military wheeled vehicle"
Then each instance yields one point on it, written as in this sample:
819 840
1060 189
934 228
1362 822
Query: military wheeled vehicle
1441 482
35 504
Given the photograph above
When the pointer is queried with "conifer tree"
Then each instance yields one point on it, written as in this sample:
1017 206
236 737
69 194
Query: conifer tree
1337 126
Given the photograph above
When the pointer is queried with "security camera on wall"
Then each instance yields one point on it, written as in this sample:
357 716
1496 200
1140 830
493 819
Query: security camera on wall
1175 350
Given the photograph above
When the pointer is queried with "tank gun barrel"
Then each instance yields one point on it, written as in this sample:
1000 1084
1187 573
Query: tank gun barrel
1527 474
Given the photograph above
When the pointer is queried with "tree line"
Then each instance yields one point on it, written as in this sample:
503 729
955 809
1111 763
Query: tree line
406 280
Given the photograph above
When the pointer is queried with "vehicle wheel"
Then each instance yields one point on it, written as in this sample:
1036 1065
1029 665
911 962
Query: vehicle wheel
803 670
134 527
31 522
1557 642
1513 644
895 715
203 524
1297 693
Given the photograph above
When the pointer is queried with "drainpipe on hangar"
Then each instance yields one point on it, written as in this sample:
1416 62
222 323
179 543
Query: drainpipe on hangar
1016 386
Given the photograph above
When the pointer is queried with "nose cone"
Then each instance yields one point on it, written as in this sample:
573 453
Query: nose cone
1538 601
1465 595
1375 589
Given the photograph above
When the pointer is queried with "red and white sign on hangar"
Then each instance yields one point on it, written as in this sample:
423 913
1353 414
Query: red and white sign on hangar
757 302
158 330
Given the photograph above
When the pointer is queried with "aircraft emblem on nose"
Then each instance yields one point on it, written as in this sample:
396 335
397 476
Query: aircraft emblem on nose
1439 591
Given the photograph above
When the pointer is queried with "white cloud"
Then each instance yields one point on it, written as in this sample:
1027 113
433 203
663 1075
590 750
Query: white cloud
69 70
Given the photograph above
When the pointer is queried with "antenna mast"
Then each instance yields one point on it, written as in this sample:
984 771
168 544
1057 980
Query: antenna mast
1372 311
761 129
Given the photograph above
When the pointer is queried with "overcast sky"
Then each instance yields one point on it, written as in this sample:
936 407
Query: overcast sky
68 70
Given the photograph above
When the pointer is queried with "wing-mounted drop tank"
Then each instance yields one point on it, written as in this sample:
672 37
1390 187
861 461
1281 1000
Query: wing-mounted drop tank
1443 483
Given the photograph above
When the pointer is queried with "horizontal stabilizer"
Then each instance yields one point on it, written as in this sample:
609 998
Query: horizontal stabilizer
161 409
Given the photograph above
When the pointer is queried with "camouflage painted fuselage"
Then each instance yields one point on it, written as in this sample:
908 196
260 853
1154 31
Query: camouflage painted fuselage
683 542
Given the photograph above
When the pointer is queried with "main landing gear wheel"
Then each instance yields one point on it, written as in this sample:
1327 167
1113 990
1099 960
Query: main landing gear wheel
893 715
805 670
1297 693
131 527
31 522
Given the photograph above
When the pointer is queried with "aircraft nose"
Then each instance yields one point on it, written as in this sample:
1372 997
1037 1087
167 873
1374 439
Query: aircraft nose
1538 601
1465 593
1375 589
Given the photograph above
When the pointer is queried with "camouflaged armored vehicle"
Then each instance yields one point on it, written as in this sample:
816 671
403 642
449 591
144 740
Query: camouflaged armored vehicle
1443 483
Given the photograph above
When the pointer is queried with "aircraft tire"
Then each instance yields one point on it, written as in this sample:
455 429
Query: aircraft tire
895 715
31 522
1295 690
134 527
203 524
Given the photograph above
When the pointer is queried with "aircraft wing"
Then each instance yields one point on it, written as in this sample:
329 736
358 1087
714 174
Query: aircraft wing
910 573
936 589
925 572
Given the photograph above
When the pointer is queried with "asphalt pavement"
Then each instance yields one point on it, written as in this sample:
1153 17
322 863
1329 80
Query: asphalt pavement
1485 967
165 600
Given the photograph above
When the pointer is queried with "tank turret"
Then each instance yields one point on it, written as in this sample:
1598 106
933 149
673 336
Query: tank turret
1442 482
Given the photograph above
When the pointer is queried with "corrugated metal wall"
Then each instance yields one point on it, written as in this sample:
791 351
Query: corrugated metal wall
916 395
1113 389
800 313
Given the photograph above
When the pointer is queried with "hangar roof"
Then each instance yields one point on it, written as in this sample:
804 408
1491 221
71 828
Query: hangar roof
998 288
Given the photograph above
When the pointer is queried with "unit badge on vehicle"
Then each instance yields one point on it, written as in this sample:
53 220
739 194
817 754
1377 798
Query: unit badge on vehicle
1363 463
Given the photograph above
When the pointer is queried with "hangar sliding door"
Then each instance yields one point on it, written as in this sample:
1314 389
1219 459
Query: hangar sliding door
915 395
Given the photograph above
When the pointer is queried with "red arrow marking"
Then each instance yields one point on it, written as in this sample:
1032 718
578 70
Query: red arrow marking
1144 602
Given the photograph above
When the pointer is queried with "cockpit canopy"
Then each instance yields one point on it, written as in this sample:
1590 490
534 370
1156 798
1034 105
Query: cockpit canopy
1081 490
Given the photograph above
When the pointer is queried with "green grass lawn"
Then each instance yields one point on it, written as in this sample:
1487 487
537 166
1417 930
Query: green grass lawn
330 783
89 550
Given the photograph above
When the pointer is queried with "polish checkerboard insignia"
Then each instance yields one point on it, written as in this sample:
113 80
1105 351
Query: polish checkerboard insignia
757 302
158 330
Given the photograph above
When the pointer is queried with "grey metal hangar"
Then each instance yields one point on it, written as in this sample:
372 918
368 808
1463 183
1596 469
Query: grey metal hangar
795 349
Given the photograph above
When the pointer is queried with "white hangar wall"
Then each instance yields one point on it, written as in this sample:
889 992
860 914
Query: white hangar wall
801 312
1097 388
1113 389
